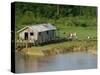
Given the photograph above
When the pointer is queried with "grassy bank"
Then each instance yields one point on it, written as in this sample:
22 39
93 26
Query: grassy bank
63 47
67 19
81 44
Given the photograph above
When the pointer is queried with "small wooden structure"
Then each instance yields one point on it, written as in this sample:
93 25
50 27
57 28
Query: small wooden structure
39 33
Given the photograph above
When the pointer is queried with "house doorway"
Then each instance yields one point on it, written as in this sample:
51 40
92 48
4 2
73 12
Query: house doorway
26 35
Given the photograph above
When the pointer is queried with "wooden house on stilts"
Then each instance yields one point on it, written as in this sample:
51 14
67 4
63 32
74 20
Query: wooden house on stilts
40 33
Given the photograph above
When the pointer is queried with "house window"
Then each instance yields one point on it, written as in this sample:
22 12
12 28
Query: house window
31 34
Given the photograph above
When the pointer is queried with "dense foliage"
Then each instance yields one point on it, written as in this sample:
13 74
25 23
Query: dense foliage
59 15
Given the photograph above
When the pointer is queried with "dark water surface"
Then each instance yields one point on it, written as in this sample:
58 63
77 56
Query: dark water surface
70 61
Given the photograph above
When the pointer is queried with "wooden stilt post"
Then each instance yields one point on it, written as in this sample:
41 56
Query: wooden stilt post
27 45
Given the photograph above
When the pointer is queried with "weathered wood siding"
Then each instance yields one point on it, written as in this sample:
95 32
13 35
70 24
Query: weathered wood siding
46 36
34 37
39 37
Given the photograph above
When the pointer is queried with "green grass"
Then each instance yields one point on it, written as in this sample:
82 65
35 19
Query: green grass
66 44
62 47
82 33
83 26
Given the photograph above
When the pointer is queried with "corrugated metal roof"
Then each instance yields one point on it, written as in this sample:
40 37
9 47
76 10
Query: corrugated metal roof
40 27
43 27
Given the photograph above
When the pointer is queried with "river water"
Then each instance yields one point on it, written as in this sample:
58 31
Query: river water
69 61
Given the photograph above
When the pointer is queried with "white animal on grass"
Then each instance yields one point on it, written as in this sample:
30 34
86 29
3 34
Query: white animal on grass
72 35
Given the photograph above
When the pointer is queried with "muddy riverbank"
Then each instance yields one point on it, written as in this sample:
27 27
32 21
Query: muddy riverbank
61 48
